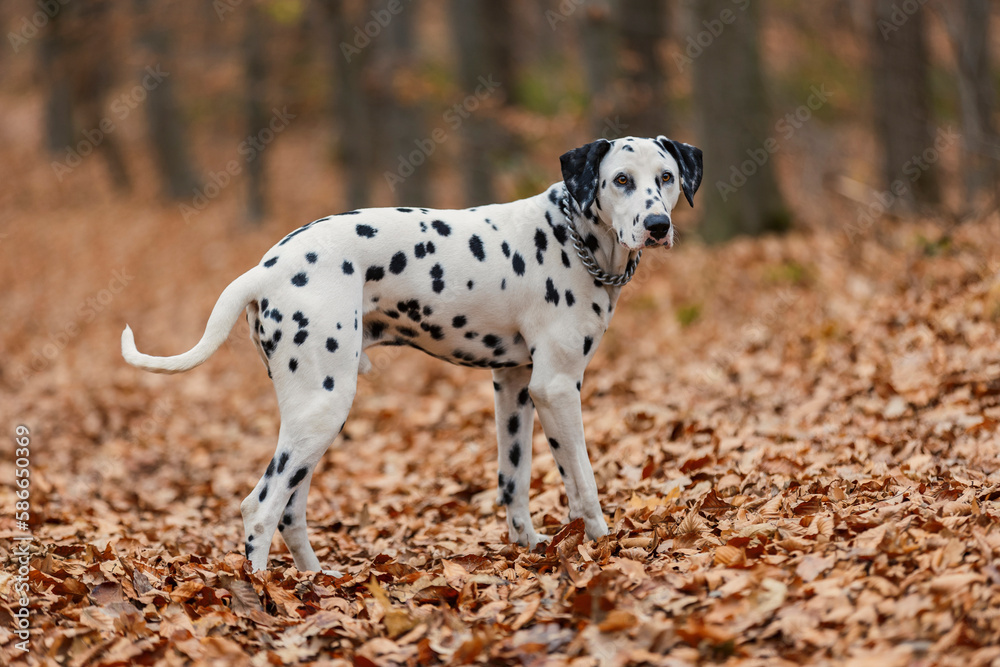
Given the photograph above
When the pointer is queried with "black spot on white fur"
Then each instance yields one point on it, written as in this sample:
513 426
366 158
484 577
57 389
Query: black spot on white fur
299 475
523 397
551 293
541 244
437 273
506 488
476 246
398 263
513 425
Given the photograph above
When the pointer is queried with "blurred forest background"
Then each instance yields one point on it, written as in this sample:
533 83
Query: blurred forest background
818 108
793 417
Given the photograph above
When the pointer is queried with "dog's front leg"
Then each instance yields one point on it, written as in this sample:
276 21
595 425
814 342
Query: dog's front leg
515 416
556 395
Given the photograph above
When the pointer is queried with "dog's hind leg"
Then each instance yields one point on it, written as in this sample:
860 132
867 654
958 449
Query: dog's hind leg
515 416
315 378
293 529
308 428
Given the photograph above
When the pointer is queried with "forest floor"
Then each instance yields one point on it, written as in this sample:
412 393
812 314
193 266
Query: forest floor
795 442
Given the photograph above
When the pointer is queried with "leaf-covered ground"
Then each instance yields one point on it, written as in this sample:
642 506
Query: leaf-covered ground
795 442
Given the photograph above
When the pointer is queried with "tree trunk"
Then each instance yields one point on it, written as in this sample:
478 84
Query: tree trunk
53 55
403 140
902 104
479 135
643 28
501 40
599 57
355 145
968 27
78 56
165 124
255 109
740 194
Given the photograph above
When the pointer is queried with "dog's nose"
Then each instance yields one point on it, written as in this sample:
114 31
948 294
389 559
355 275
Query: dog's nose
658 226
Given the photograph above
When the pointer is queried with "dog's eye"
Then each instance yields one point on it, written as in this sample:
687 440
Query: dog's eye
621 179
667 177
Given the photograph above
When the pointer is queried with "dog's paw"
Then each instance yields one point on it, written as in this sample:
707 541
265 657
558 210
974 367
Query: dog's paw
541 539
531 540
521 532
595 528
593 522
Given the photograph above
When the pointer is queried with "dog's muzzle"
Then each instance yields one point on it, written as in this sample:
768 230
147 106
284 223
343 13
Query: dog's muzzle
658 226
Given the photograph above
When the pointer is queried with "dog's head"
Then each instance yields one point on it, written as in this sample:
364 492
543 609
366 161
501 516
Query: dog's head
633 184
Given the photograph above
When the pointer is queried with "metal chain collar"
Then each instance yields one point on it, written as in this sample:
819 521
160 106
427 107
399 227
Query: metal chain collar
603 277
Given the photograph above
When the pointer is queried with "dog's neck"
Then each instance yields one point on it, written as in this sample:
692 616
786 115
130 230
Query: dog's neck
613 257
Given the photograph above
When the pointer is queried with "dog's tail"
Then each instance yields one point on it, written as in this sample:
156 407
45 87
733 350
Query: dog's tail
234 299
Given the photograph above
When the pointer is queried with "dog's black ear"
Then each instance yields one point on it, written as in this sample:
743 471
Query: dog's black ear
689 160
580 170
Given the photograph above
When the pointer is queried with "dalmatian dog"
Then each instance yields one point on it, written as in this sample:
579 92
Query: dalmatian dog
526 289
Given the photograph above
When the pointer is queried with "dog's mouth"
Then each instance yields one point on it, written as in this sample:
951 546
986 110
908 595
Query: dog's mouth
667 243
